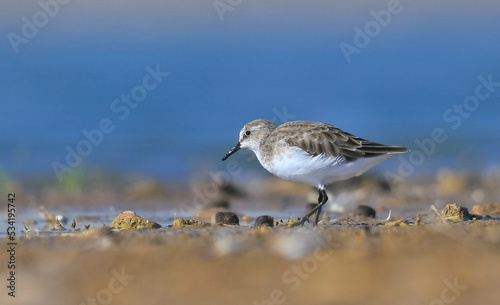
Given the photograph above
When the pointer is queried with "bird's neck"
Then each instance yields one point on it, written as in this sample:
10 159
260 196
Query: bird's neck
264 150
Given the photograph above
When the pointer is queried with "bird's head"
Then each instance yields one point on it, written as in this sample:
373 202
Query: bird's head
252 135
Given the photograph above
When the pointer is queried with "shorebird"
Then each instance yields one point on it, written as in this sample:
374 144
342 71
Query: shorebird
311 152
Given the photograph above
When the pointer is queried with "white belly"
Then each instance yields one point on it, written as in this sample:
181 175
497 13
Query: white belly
297 165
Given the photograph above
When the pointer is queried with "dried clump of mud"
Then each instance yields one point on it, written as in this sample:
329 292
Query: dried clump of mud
130 220
181 223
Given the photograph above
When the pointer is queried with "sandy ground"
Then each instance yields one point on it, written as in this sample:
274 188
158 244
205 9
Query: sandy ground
349 261
342 263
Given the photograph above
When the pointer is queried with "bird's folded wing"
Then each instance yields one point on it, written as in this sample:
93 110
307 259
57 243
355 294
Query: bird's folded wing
324 139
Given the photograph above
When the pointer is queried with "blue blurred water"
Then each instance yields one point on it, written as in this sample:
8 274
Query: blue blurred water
262 59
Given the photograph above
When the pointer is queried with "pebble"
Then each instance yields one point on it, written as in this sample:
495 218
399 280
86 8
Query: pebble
490 209
130 220
181 223
264 220
58 226
453 210
364 211
226 218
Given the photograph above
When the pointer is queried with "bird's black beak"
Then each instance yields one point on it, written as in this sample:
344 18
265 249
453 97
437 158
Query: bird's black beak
232 151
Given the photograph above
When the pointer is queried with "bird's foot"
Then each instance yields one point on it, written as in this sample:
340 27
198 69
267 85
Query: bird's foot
300 222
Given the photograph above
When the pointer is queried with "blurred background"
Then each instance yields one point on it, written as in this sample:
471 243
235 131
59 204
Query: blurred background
387 71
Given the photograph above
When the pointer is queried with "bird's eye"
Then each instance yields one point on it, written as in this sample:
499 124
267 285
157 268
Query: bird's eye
248 132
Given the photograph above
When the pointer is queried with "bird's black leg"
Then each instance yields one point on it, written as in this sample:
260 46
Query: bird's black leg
322 199
318 213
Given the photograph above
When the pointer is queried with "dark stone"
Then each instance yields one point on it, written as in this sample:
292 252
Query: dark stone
364 211
264 220
130 220
226 218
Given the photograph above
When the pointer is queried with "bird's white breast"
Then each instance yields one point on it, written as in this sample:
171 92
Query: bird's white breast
293 163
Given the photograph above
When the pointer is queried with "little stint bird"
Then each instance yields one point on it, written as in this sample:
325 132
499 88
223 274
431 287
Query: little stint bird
311 152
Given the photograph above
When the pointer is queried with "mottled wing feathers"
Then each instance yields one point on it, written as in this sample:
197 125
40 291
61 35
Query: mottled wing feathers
319 138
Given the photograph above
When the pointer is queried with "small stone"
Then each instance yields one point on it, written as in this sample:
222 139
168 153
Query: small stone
181 223
58 226
130 220
246 219
291 221
226 218
490 209
364 211
453 210
264 220
31 233
279 223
